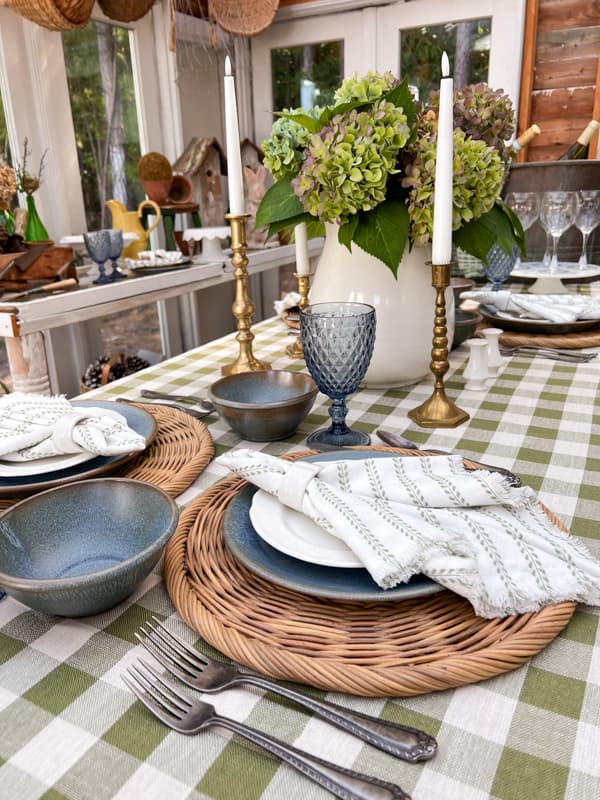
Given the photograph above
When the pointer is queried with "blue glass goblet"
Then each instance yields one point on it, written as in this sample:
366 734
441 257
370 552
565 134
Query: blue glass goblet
115 250
97 244
337 341
500 265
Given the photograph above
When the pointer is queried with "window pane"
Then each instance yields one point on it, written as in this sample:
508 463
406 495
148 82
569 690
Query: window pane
307 75
101 88
4 147
468 47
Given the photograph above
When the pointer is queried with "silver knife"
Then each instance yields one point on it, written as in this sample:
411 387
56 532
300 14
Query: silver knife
186 409
394 440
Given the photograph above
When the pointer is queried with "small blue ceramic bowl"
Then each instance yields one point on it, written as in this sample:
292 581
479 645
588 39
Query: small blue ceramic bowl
265 405
83 547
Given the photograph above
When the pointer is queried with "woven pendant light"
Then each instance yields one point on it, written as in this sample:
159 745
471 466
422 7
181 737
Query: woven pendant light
125 10
243 17
56 15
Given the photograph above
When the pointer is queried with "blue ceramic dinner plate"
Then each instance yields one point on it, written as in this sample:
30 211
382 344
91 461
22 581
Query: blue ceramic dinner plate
138 420
340 584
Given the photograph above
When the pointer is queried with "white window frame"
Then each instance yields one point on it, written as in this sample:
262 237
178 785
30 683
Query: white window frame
35 94
372 40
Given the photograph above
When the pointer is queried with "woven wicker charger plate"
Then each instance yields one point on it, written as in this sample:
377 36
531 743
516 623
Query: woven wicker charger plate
179 452
374 649
571 341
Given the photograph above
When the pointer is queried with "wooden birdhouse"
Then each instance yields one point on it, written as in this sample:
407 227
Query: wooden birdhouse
204 163
255 176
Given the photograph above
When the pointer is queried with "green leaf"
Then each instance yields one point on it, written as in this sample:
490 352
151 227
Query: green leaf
383 232
278 203
494 227
288 224
310 123
401 96
347 230
314 228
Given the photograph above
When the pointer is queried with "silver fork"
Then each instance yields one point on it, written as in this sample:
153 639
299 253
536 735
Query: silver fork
547 352
200 672
179 398
187 715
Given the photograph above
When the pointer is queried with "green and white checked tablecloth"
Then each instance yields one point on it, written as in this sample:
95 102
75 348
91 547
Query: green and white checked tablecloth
69 729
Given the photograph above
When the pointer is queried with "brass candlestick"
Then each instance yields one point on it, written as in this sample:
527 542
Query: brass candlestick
295 350
242 307
438 411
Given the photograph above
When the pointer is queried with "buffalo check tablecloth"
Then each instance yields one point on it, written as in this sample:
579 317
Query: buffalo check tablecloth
69 728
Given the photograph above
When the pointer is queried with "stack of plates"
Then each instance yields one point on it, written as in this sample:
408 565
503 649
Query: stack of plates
44 473
287 548
157 261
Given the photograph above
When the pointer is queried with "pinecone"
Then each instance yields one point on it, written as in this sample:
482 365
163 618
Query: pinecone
92 377
135 364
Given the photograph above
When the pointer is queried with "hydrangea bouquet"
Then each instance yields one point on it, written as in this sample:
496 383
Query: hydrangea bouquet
367 163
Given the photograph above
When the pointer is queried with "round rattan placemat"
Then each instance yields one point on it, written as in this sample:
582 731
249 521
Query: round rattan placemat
178 453
571 341
375 649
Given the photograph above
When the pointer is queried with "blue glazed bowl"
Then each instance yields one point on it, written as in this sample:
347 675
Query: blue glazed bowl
83 547
265 405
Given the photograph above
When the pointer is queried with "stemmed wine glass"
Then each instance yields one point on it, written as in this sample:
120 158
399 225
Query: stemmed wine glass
337 341
526 205
557 214
115 250
97 244
588 217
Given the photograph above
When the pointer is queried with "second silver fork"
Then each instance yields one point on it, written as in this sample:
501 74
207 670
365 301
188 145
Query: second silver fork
200 672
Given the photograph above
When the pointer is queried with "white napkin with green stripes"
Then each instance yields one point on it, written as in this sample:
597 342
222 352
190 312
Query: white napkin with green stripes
35 426
470 531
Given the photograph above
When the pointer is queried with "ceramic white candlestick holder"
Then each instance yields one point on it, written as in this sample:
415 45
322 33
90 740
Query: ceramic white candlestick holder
495 360
476 371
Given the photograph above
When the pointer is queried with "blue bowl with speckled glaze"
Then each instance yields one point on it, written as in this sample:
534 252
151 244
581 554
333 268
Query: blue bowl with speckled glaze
83 547
265 405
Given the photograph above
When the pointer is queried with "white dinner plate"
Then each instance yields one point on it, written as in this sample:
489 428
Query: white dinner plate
296 535
41 466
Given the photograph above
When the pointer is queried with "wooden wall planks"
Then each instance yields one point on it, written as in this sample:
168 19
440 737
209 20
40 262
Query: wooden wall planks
560 73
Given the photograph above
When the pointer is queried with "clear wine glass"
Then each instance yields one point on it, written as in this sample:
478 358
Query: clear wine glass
115 250
337 341
557 214
588 217
499 265
526 205
97 244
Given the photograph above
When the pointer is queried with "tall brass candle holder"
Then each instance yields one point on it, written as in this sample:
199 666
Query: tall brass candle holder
294 350
438 411
242 307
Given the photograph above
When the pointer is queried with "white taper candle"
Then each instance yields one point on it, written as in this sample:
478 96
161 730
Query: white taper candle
302 261
442 202
235 181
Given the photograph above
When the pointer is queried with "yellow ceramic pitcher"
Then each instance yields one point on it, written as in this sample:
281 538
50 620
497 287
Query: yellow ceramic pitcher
131 222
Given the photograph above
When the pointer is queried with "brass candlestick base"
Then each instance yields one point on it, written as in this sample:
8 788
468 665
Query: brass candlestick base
242 307
438 411
295 350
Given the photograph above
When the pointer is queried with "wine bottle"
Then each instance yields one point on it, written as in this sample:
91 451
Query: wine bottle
580 147
523 140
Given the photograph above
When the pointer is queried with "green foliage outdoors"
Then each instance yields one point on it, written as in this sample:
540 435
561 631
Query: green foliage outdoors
421 52
287 69
4 148
89 119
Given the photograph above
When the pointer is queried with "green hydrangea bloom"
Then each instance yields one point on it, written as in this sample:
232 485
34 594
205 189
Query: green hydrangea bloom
349 161
477 182
368 88
284 149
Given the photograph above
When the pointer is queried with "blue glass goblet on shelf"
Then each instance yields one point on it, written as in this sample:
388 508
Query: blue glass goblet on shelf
115 250
500 265
97 243
337 342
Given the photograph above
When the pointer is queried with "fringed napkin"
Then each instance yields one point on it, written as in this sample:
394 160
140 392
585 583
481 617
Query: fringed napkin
471 531
550 307
35 426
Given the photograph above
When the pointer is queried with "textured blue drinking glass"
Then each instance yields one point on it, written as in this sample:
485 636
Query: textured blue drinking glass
500 265
337 341
97 243
114 252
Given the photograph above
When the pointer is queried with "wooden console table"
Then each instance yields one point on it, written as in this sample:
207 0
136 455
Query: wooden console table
41 333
